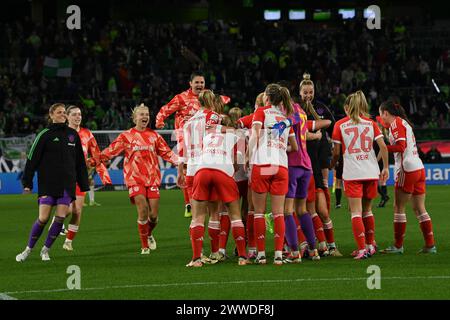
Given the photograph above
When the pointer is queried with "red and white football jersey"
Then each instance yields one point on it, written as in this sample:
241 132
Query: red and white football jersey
246 121
90 146
194 132
242 172
360 161
141 148
407 160
219 151
271 149
185 105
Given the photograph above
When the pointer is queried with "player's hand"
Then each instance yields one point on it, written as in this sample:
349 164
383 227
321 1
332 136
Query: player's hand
384 175
105 160
91 163
159 125
319 135
181 180
26 190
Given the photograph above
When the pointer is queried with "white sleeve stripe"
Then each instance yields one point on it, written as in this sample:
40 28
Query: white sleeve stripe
292 135
314 126
400 139
336 141
378 136
257 122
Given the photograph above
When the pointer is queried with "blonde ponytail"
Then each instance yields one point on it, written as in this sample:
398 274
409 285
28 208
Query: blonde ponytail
357 106
219 106
310 110
287 101
207 99
259 100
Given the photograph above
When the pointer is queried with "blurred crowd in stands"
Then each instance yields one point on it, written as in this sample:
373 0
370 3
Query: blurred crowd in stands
118 64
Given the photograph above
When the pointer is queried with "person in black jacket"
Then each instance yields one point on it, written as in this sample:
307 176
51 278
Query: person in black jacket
320 153
57 156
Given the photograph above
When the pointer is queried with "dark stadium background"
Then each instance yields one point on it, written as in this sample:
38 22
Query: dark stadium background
143 51
128 52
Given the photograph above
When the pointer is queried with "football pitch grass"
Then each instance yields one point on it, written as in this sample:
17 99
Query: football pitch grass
107 251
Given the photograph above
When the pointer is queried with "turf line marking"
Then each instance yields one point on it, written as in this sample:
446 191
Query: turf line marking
162 285
4 296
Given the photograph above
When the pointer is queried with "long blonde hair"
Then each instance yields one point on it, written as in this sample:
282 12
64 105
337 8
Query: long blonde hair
356 106
219 106
207 99
226 120
259 102
309 109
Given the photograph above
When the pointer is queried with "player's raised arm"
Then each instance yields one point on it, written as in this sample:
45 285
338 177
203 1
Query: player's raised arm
173 106
114 149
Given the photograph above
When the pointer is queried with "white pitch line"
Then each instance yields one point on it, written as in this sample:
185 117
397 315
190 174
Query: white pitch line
162 285
4 296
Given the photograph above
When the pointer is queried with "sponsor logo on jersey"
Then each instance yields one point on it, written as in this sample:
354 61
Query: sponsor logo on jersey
142 148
